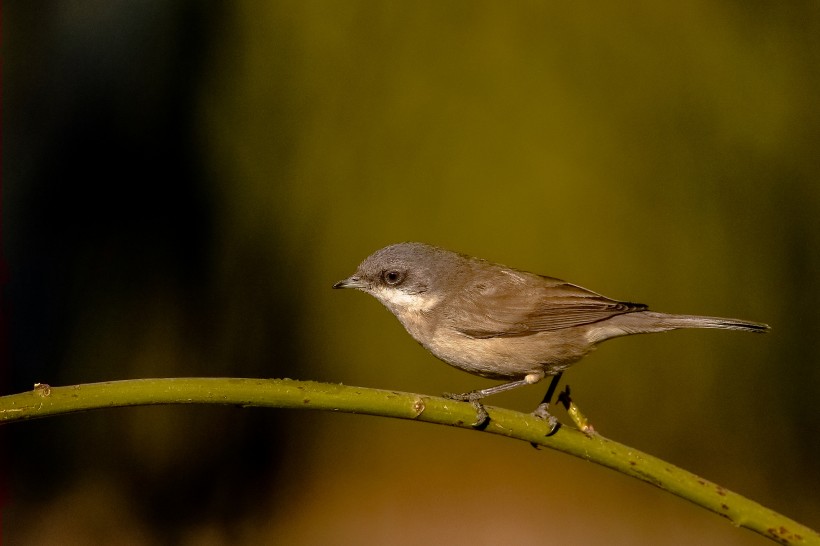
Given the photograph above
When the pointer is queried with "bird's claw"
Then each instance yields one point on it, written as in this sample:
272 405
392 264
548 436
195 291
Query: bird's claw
542 412
482 418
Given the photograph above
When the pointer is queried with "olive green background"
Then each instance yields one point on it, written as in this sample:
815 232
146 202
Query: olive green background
184 181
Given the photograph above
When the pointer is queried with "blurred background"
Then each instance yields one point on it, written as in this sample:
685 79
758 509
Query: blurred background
183 181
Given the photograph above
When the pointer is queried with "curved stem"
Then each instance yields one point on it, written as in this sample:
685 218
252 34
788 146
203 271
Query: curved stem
44 401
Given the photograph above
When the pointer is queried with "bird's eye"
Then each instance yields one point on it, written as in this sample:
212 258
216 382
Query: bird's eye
392 277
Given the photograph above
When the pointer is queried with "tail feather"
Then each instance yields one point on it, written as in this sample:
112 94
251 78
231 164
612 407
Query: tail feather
664 321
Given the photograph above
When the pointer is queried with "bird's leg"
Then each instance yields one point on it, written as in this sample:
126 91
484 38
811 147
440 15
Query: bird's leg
575 414
542 411
474 397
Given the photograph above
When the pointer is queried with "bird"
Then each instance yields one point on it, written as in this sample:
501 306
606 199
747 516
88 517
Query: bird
503 323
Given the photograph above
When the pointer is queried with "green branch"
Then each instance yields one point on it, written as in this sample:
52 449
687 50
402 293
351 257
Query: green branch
45 401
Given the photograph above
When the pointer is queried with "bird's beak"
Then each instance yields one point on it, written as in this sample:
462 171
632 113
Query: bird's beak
350 282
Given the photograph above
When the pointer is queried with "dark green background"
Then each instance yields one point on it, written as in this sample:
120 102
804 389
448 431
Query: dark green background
184 181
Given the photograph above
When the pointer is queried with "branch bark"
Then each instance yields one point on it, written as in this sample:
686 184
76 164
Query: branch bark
45 401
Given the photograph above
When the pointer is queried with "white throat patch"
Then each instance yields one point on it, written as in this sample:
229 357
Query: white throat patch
396 298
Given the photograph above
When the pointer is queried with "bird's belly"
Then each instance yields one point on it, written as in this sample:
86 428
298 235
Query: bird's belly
509 357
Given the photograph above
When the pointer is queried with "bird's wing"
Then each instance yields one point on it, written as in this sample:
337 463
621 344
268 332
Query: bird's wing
525 304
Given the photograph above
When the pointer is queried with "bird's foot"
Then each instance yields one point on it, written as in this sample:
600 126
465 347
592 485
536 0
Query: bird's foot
482 417
542 412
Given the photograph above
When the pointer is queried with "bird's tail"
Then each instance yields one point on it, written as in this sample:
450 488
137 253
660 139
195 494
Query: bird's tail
663 321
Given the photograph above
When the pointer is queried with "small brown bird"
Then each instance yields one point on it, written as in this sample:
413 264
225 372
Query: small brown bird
502 323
